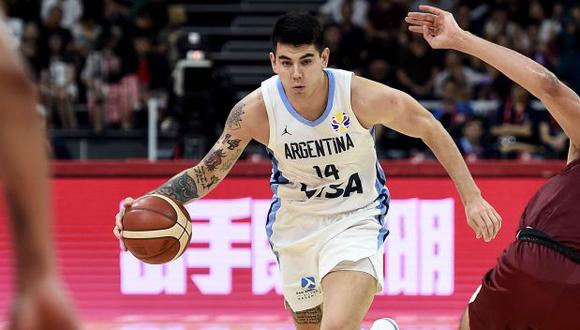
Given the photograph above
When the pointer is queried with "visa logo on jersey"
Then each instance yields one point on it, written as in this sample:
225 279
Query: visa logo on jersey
340 122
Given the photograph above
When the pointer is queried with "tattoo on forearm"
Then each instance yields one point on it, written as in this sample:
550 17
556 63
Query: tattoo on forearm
234 120
213 160
232 143
309 316
201 177
181 188
229 163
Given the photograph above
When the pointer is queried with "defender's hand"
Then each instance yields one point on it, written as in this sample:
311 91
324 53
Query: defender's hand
43 305
437 26
127 202
483 219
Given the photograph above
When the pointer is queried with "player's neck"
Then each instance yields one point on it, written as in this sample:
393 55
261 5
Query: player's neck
311 106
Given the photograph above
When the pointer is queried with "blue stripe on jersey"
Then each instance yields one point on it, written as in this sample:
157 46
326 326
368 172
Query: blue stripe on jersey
275 180
295 113
384 199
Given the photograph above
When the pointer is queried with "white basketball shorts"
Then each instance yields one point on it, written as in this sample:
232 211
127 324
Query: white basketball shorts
353 242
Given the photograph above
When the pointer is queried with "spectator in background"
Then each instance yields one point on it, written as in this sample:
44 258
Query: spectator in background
379 70
497 25
29 48
85 34
57 84
473 143
384 19
353 41
454 109
443 4
332 37
417 68
51 25
15 25
514 126
552 137
383 28
72 10
152 71
111 95
333 12
569 44
552 26
462 74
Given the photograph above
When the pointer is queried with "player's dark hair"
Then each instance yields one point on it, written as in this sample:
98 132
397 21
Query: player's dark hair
297 28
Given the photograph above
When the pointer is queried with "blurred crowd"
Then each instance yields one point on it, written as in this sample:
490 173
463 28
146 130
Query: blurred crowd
109 56
487 115
112 56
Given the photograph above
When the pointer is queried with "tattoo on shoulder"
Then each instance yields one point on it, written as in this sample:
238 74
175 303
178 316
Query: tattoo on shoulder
234 120
181 188
309 316
213 160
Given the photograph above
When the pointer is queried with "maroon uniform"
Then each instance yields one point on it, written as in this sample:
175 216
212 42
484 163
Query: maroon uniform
536 282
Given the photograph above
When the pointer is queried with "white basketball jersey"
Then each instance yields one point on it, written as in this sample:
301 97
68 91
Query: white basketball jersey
321 168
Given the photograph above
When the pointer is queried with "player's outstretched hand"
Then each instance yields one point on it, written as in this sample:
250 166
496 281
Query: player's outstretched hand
127 202
437 26
483 219
43 305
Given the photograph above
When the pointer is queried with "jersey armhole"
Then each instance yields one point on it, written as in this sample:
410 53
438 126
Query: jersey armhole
270 113
348 102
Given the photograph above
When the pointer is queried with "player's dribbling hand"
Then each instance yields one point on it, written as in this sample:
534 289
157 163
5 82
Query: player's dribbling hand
437 26
482 218
43 305
127 202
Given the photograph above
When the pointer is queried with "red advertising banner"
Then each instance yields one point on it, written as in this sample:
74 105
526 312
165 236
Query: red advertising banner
433 262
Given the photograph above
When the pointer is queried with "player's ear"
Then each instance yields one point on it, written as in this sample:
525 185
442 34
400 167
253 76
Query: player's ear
325 55
273 62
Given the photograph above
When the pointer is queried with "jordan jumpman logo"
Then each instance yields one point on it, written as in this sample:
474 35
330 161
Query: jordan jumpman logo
286 131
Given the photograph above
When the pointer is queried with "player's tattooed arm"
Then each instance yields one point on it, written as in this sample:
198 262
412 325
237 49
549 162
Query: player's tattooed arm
199 180
182 188
309 316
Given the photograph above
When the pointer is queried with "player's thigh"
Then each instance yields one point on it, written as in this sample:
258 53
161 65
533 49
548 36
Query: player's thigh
307 319
347 298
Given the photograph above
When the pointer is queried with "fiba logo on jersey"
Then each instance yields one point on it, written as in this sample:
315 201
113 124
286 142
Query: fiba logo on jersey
340 122
308 283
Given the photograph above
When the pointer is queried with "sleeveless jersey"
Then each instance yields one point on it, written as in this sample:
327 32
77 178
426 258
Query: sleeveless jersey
555 208
326 167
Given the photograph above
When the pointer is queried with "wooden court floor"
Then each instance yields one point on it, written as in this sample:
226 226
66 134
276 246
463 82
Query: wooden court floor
239 322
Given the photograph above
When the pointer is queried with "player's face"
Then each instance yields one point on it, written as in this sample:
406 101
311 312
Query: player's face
300 67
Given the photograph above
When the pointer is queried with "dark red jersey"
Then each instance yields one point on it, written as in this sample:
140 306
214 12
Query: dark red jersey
555 208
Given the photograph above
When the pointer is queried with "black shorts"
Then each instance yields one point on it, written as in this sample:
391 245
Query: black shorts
531 287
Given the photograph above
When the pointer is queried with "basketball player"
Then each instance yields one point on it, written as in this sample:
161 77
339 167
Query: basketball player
536 282
326 221
40 303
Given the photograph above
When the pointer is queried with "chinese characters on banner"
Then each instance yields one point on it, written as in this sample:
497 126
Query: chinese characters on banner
418 255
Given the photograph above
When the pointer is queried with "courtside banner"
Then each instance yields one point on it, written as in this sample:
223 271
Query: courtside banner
433 262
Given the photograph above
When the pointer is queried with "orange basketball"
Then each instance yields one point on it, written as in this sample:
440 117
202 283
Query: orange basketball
156 229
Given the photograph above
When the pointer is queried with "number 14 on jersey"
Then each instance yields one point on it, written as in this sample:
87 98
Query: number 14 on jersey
334 190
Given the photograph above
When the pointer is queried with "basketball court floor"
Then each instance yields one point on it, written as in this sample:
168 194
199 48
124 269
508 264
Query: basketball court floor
247 322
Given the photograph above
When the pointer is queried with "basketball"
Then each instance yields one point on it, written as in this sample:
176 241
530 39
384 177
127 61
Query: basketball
156 229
